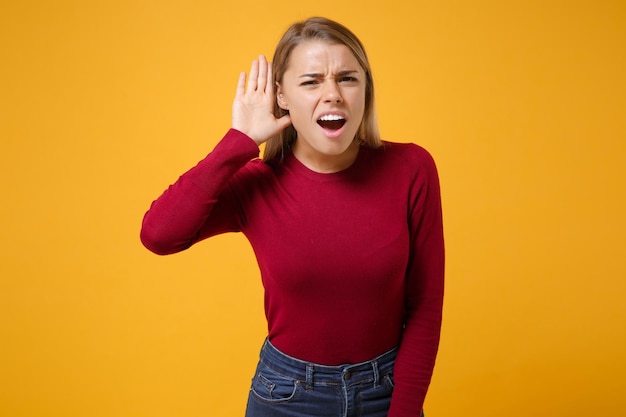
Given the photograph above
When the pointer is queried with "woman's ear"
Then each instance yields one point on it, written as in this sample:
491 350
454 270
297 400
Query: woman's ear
280 98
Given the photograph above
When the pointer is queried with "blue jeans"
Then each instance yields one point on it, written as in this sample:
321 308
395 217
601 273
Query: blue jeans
288 387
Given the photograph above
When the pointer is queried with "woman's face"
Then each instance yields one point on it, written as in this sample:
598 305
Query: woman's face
323 88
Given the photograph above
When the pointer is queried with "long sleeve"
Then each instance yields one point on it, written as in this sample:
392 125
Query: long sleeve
195 206
424 294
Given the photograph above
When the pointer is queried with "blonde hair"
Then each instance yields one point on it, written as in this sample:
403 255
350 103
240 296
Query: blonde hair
321 29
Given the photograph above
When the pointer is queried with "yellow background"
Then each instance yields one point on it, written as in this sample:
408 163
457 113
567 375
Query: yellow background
105 103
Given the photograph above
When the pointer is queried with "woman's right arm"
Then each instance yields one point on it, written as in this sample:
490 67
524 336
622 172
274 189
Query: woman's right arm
196 206
191 209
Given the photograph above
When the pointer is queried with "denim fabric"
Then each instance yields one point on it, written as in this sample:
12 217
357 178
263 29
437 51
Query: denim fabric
288 387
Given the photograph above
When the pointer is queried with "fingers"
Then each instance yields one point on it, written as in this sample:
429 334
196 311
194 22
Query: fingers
260 75
254 74
268 80
283 122
241 83
262 78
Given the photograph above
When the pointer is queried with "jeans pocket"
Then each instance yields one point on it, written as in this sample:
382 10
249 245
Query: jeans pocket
270 386
375 399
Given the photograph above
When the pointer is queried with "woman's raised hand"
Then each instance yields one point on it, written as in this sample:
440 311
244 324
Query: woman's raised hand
253 107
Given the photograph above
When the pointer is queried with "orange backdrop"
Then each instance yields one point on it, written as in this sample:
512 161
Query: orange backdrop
103 104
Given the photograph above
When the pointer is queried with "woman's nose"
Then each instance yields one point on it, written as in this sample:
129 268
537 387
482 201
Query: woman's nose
332 94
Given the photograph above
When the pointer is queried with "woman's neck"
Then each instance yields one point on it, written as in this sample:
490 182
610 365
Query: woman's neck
325 163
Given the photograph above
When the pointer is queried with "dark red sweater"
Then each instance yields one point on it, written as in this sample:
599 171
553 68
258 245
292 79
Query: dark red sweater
352 262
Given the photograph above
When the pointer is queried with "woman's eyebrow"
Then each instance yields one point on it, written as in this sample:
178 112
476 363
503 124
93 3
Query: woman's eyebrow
347 72
319 75
311 75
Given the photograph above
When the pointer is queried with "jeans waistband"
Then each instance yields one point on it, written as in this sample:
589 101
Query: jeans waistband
312 373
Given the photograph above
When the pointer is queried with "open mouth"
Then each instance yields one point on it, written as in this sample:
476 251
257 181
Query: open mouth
331 122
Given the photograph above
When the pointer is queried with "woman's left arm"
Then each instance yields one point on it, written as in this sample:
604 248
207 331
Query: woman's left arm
424 292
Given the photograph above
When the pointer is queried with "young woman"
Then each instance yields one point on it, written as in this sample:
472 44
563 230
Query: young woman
346 228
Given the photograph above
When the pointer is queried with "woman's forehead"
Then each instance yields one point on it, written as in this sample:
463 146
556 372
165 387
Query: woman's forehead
310 55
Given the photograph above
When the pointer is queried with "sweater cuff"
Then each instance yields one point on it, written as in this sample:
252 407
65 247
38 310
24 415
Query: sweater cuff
236 143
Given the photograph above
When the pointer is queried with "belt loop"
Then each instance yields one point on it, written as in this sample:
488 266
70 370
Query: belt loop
376 374
309 377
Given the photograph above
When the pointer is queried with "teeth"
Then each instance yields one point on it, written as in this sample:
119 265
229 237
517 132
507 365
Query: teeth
330 117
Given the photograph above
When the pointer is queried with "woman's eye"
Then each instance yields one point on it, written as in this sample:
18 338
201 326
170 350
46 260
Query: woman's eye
310 82
348 79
